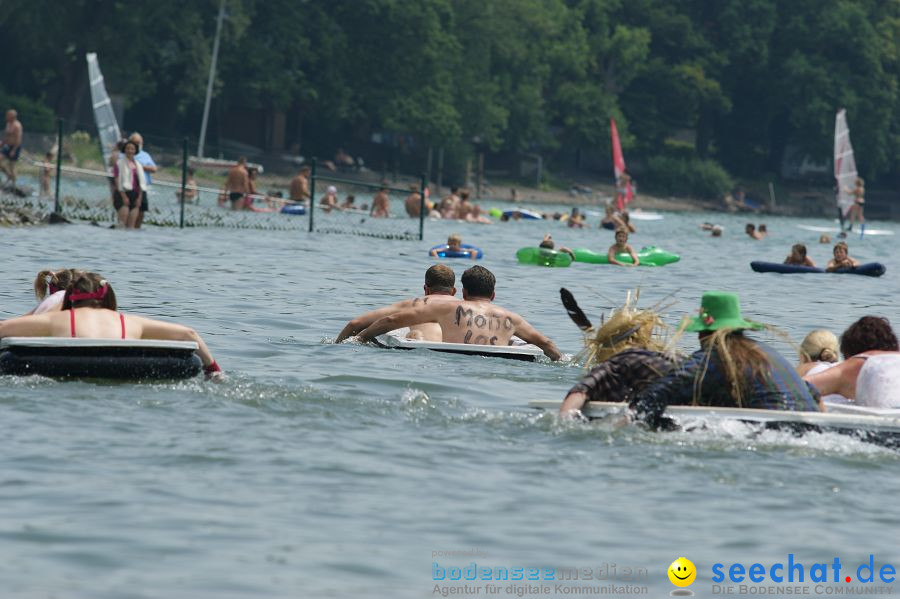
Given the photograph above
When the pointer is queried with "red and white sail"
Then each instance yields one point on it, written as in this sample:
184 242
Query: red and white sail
624 188
844 163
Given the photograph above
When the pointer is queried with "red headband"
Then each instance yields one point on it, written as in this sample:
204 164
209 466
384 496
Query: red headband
93 295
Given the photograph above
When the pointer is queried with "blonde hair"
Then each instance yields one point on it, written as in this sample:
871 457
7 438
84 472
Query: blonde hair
455 237
819 346
625 328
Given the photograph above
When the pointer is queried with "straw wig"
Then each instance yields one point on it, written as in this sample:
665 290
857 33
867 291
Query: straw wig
626 328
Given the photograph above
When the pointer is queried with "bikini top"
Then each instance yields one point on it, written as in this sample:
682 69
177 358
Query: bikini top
72 322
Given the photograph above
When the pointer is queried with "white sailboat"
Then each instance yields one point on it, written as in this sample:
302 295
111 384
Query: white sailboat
107 126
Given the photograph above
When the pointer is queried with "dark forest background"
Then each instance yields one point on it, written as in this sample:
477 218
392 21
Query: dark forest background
703 91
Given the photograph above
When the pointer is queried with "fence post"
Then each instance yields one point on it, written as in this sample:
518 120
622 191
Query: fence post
422 208
312 193
184 167
59 151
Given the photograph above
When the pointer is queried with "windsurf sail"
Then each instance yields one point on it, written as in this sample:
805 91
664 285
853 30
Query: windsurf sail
624 189
107 127
844 163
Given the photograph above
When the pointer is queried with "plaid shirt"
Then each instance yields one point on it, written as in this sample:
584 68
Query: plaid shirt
624 375
781 388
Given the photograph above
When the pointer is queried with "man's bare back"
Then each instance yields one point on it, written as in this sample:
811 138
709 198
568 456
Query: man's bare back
475 321
427 331
299 188
238 180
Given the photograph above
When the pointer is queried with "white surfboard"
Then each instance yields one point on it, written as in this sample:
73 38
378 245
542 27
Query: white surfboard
519 350
842 418
642 215
836 230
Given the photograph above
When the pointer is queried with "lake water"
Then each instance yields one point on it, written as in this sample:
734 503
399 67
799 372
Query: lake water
323 470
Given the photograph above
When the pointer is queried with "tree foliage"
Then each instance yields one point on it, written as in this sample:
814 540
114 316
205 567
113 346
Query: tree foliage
744 80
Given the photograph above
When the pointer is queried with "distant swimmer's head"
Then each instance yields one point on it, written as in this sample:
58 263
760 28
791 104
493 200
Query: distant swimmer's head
478 282
750 228
823 238
332 190
716 231
49 282
454 240
440 279
89 290
868 333
840 250
547 243
798 250
819 346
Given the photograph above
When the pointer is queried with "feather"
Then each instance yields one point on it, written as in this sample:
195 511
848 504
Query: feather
575 312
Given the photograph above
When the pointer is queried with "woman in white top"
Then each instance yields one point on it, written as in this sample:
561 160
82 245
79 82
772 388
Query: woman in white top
870 372
130 186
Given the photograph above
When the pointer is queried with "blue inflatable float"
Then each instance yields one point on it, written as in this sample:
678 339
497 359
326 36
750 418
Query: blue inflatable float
443 251
299 208
870 269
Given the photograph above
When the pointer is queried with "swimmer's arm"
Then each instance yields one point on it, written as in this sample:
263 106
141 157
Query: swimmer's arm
26 326
809 262
572 404
402 318
531 335
637 261
830 266
157 329
363 321
611 256
839 379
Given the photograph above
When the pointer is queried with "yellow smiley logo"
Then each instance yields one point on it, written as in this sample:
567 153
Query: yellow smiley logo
682 572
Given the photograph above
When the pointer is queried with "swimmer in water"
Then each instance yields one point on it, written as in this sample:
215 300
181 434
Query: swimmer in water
621 247
50 288
548 244
474 320
89 310
454 244
751 231
841 258
440 285
798 256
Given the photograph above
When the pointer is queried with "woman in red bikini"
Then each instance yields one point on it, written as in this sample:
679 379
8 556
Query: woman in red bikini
89 311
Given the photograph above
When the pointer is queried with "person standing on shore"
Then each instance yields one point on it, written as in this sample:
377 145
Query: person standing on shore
300 186
149 167
12 145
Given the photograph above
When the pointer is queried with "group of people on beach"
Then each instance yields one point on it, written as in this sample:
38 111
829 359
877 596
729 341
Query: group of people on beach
82 304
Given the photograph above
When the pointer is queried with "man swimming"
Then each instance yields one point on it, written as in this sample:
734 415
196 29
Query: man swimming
474 320
440 285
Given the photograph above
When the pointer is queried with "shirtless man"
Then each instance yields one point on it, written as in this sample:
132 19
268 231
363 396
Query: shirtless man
300 186
465 210
474 320
12 145
413 202
440 285
237 185
381 205
449 205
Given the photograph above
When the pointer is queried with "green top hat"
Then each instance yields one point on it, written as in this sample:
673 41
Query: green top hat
720 310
